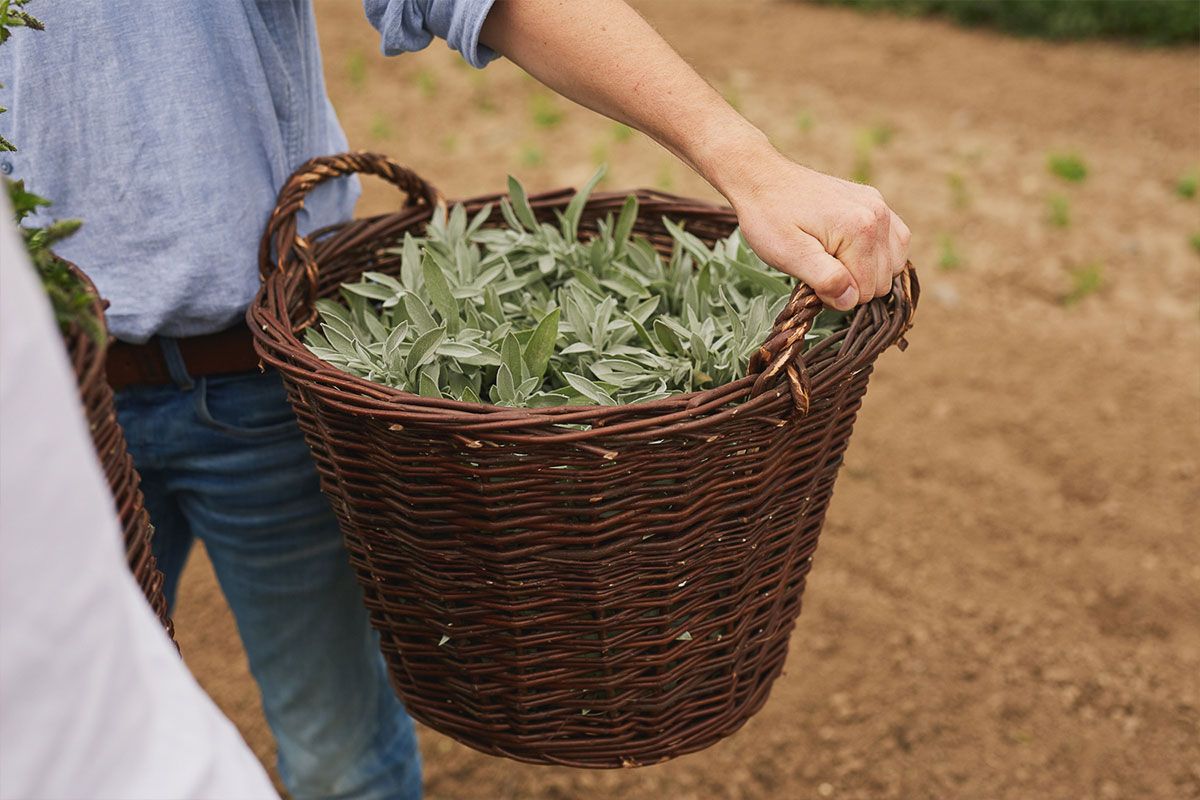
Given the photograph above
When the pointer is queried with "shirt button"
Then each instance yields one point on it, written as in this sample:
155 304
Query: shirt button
6 167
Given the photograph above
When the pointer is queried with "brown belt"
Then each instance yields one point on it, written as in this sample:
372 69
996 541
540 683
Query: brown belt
226 351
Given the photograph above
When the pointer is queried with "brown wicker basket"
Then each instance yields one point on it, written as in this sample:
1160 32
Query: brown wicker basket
87 358
588 586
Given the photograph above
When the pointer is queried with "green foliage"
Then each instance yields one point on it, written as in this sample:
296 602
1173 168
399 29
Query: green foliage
960 197
70 299
1085 280
426 81
1146 21
530 314
356 69
864 146
380 127
1185 187
544 110
1058 210
14 15
948 255
621 132
805 122
1195 241
1068 166
531 155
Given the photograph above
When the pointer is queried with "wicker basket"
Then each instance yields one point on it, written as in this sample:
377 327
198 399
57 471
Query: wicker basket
87 359
588 586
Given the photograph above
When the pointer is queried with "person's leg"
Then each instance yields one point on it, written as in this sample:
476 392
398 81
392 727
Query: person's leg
248 487
144 413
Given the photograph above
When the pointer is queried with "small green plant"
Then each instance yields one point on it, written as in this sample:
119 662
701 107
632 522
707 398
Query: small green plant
805 122
427 83
530 314
1068 166
1186 186
356 69
733 96
621 132
960 198
1058 210
1195 241
1086 279
449 143
948 255
380 127
69 297
665 179
531 155
879 135
545 110
600 154
862 171
865 145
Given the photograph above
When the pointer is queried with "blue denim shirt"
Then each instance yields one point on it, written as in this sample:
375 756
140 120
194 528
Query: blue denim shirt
168 127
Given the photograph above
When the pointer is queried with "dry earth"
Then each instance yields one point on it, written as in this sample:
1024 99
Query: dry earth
1006 603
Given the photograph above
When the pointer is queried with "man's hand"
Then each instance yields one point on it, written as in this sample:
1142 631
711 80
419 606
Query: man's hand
838 237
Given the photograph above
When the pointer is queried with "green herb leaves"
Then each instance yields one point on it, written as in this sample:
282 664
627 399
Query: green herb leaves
530 315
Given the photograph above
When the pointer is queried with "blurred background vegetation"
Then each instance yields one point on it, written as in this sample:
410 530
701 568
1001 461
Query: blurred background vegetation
1143 21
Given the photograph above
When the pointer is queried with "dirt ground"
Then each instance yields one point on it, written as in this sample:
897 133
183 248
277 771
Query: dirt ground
1006 603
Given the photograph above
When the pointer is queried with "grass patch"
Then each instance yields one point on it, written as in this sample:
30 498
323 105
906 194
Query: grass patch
1195 240
356 69
621 132
1068 166
805 122
545 111
1153 22
960 197
665 179
1058 211
426 81
949 258
1085 280
531 155
1185 187
380 127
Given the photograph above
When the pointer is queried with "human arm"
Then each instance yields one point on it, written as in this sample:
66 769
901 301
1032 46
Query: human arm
839 237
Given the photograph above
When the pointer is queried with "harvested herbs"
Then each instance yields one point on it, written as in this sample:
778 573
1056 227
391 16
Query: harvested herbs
70 298
532 315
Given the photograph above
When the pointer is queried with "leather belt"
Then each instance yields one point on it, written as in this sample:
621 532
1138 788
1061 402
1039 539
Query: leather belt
226 351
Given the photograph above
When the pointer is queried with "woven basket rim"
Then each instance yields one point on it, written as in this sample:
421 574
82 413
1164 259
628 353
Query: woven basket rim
279 344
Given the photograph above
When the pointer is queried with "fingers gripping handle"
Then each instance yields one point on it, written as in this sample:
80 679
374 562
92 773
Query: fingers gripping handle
781 355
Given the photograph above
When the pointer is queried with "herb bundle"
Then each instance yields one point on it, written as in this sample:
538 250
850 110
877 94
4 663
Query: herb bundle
533 315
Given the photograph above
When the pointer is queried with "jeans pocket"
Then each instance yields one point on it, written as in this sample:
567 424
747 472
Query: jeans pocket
249 406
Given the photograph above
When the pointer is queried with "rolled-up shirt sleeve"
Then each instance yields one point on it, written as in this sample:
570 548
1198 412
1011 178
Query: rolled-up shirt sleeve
408 25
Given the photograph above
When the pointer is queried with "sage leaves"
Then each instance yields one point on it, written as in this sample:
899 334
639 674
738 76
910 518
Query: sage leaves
529 314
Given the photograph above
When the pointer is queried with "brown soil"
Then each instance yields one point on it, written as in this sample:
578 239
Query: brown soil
1005 604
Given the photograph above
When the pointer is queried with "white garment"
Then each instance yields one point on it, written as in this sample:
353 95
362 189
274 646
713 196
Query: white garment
94 700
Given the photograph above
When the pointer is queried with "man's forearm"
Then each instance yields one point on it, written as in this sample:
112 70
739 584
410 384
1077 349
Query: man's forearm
839 237
603 55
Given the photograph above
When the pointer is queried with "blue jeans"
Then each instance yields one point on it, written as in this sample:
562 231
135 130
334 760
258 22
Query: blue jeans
222 459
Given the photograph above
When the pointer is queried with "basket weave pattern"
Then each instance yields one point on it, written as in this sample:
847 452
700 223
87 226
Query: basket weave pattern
588 586
87 359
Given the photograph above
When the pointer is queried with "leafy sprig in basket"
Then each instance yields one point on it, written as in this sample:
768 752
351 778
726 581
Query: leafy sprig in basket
531 315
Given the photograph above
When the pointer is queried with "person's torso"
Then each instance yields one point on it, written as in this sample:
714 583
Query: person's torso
168 128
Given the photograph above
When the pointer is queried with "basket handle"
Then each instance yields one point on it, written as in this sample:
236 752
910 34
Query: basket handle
782 353
289 246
